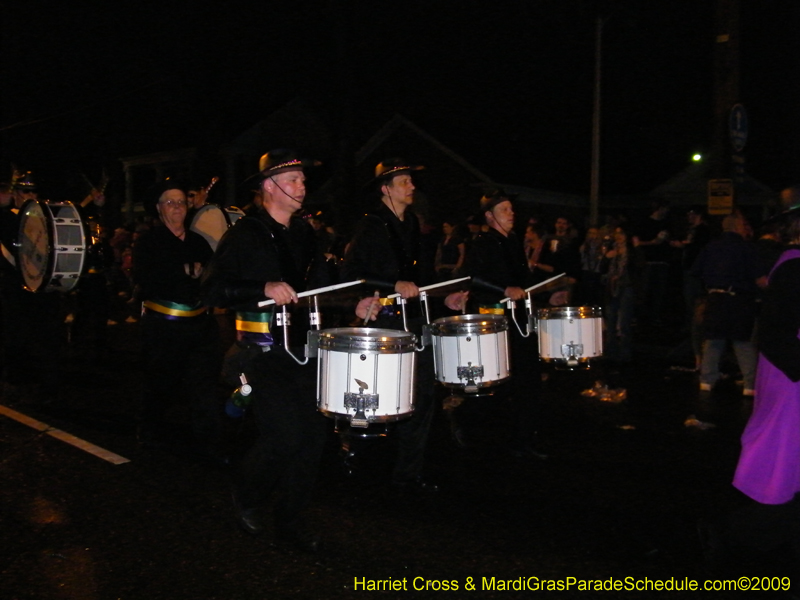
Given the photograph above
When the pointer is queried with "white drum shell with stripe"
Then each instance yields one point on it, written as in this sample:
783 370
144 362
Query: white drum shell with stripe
471 340
570 326
384 359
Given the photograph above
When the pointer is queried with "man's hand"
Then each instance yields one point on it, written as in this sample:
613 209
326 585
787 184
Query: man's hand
406 289
457 301
281 292
369 305
193 270
515 293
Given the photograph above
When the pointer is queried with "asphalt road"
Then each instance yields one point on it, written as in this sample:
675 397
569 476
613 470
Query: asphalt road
619 497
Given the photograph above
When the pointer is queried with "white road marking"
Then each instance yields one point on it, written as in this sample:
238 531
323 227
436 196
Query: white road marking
64 436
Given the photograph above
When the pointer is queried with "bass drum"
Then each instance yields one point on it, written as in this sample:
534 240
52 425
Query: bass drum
570 336
366 375
212 222
51 246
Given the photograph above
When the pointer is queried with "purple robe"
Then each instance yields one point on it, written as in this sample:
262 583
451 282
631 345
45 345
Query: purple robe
769 465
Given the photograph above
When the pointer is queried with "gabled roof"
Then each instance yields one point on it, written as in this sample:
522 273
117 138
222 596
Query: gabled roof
690 186
398 122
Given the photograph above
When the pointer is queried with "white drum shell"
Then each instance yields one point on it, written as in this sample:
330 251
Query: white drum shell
566 330
388 372
471 341
52 246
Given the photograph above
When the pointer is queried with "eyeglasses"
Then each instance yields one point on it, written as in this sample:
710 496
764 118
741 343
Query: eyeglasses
173 203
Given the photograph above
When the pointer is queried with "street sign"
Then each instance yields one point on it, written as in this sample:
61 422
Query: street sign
720 196
737 125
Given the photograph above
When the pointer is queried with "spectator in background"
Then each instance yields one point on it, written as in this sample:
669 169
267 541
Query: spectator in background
652 239
449 253
697 236
729 270
561 255
619 268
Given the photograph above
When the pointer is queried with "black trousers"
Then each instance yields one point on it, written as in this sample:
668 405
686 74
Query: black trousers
284 461
33 333
182 359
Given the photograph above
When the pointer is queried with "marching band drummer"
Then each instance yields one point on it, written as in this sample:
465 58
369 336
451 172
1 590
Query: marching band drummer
32 325
497 258
180 340
386 248
271 254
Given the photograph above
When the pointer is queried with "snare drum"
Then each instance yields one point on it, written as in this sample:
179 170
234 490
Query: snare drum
212 222
51 245
366 375
471 351
570 335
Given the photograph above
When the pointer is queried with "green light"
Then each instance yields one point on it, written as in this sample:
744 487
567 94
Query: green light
697 157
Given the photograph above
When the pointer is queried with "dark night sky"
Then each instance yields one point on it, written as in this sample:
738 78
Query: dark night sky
506 84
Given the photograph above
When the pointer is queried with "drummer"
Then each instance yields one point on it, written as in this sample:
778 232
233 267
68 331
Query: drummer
496 262
386 248
180 340
32 324
271 254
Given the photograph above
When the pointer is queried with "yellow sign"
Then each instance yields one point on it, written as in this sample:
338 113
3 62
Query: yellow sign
720 196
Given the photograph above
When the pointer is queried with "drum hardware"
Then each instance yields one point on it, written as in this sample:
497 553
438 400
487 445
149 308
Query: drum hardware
511 305
283 318
470 373
360 402
571 352
423 297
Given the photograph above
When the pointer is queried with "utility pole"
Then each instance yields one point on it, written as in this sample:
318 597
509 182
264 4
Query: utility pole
594 192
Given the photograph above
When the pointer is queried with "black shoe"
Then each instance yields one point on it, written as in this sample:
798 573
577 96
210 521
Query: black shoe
299 540
417 485
716 553
249 520
527 451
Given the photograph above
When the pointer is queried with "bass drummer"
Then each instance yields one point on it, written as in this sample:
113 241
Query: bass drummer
386 248
496 262
32 324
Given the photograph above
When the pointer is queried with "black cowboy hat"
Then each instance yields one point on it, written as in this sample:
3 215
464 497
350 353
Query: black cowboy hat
282 160
494 195
391 167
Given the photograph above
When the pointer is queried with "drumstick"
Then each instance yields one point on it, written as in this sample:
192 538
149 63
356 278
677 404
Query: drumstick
533 287
433 285
377 294
316 291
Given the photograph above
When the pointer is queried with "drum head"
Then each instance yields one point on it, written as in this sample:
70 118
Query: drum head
35 244
211 222
570 312
366 339
469 324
